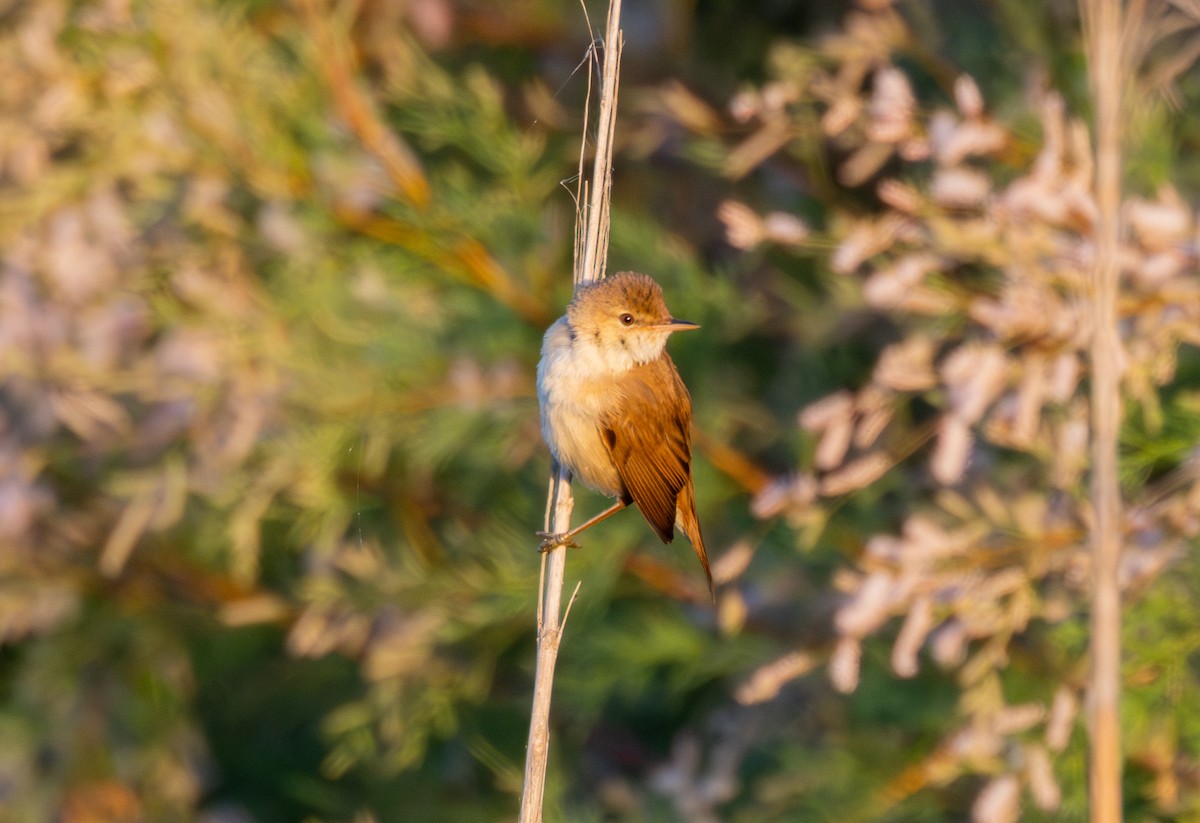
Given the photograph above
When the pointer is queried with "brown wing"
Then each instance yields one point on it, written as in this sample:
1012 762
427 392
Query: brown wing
648 435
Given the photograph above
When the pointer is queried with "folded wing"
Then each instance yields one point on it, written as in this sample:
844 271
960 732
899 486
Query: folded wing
648 437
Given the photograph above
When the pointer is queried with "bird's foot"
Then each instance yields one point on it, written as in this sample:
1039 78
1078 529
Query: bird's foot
552 541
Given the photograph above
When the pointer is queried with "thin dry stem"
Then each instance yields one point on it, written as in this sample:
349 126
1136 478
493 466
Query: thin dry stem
592 218
595 238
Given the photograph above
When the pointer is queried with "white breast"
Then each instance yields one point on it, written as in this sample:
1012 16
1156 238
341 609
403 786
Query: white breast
570 383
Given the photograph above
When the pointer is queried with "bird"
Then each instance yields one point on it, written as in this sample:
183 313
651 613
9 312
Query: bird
614 410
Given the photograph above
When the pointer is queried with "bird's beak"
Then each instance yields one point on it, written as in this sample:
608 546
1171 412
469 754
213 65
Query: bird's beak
677 325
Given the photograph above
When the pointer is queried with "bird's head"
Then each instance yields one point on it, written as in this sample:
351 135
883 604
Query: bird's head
623 320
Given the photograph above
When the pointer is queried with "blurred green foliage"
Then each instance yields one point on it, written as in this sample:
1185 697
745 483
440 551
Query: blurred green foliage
272 289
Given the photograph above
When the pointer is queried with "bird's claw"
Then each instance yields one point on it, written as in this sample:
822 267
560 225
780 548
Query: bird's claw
552 541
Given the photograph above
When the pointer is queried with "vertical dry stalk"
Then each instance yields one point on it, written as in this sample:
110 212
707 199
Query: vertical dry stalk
590 256
1107 61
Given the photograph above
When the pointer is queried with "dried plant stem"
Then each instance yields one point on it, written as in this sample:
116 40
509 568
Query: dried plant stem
591 252
1106 58
595 217
554 566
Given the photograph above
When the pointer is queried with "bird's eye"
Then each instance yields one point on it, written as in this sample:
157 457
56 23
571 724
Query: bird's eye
627 319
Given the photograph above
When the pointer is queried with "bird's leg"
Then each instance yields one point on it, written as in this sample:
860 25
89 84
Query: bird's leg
553 541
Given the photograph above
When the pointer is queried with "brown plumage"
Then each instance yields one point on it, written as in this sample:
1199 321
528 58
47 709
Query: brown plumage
614 409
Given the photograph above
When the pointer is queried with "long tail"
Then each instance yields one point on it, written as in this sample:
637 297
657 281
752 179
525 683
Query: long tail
689 524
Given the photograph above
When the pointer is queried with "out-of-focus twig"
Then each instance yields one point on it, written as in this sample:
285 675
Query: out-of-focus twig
462 257
358 112
1107 35
454 252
